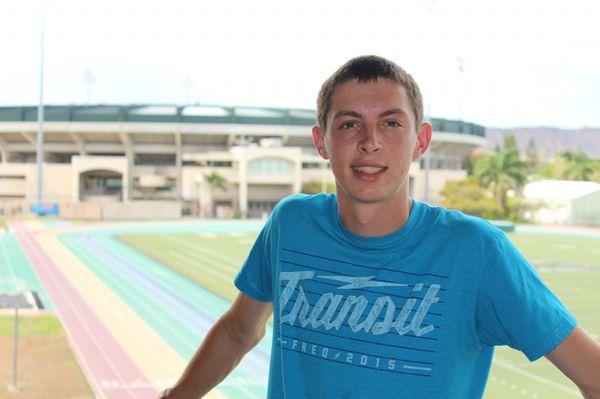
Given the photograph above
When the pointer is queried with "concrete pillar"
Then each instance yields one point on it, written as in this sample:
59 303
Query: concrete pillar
204 197
128 173
128 178
243 185
178 163
3 151
324 176
427 170
297 186
76 176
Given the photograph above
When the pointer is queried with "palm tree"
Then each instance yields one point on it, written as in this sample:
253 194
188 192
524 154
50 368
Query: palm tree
578 166
501 171
215 181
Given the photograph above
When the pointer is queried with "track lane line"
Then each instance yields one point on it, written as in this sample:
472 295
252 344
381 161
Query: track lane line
83 246
88 333
257 359
502 363
126 325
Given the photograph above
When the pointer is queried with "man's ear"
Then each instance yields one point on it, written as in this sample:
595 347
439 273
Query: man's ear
319 140
423 140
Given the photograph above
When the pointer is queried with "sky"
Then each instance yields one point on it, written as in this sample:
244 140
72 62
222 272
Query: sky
497 63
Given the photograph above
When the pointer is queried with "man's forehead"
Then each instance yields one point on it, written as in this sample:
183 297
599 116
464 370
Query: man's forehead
382 96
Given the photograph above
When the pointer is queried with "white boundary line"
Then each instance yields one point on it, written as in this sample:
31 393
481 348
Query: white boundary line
537 378
78 316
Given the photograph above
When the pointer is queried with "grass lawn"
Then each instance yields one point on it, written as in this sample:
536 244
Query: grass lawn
31 325
570 266
553 251
46 365
210 260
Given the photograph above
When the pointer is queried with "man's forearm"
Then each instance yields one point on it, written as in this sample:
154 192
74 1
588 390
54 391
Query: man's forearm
218 355
578 357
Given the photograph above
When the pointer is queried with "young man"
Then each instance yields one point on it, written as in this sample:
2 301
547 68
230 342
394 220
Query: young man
376 295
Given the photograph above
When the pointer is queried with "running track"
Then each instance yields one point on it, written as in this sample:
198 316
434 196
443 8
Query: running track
132 323
101 356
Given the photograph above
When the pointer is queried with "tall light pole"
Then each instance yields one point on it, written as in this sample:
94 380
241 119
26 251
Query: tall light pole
430 4
88 80
40 115
460 65
187 84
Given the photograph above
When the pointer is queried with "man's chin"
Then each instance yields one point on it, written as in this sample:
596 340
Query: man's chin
368 198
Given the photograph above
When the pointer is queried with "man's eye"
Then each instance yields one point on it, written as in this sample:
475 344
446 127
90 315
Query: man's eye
393 123
348 125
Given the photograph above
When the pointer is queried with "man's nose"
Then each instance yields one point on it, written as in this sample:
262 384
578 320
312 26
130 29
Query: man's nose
370 142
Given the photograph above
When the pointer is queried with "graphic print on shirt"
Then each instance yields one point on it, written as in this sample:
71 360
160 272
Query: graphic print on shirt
336 310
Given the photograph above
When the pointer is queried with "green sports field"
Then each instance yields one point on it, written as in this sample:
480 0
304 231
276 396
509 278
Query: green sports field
569 265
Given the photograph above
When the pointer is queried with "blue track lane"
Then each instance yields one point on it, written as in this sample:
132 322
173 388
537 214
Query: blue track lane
178 310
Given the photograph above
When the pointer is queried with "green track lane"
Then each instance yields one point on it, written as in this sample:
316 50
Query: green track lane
212 304
193 268
174 332
16 273
179 336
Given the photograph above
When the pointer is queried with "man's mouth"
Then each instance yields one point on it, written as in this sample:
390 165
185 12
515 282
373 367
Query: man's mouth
369 169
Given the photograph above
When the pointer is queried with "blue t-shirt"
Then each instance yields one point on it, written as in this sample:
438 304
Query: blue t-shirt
413 314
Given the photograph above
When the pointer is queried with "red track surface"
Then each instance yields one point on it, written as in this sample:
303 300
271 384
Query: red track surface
109 369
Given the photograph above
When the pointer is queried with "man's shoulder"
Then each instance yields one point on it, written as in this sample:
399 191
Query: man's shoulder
461 225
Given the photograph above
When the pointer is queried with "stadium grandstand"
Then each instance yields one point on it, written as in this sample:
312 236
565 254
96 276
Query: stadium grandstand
165 161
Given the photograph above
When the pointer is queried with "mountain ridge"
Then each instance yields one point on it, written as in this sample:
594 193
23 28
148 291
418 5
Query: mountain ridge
548 140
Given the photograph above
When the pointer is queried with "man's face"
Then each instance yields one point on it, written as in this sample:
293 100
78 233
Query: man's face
371 140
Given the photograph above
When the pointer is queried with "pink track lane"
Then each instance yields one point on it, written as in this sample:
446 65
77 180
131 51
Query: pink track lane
109 369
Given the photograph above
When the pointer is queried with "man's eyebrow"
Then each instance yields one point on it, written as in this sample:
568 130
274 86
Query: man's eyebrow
343 112
393 111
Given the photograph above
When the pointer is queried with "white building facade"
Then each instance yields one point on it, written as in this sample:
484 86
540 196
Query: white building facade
207 161
554 202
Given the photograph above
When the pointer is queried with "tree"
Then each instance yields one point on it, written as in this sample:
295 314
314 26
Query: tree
215 181
578 166
510 143
500 172
554 169
314 187
470 160
569 165
468 196
532 157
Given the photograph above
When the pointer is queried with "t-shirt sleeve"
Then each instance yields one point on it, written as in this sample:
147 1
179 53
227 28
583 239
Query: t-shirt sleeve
515 307
255 277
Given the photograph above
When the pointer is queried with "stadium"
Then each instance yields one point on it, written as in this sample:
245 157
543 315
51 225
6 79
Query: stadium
103 293
165 161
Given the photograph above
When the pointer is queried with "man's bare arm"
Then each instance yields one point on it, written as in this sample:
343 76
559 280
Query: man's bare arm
578 357
232 336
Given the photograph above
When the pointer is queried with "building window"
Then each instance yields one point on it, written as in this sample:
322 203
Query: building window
55 157
154 159
219 164
270 166
311 165
214 164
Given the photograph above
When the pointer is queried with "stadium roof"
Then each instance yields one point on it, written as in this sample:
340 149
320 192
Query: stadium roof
170 113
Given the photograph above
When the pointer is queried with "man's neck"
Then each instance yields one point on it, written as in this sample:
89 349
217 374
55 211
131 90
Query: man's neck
373 220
